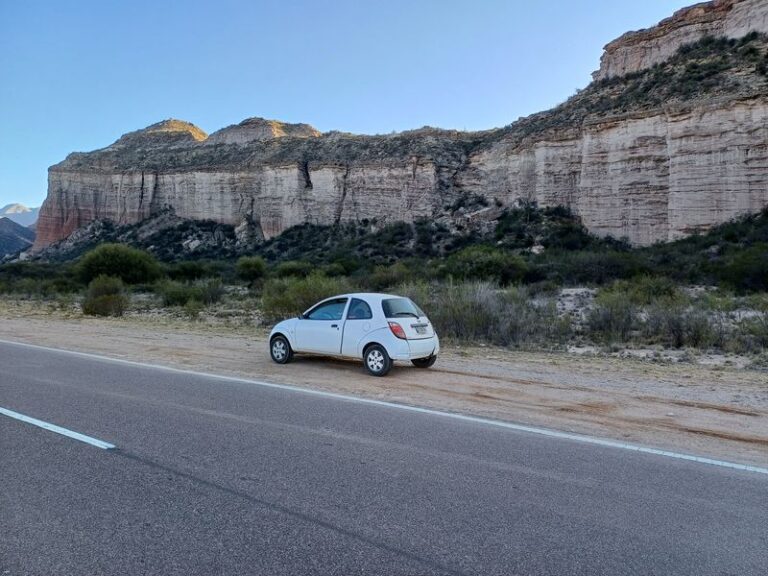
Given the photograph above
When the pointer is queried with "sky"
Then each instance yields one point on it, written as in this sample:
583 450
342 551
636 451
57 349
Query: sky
76 75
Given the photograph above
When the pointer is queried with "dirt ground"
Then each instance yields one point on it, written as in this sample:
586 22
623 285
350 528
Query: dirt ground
714 411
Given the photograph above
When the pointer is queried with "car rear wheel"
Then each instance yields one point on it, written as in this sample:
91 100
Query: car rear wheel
377 361
424 362
280 350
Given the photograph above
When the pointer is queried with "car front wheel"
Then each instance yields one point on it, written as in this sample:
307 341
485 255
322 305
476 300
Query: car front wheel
377 361
424 362
280 350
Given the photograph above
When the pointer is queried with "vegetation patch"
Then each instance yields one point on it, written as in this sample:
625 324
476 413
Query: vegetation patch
132 266
105 297
505 284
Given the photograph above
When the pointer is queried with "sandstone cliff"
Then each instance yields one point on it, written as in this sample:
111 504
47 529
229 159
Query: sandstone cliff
650 156
642 49
277 182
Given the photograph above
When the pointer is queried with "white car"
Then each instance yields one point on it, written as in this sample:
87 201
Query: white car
378 328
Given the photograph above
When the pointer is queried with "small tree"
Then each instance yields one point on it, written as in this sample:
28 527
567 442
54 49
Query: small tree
132 266
251 269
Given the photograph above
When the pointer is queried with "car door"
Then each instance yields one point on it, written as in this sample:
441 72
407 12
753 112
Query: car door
357 324
320 329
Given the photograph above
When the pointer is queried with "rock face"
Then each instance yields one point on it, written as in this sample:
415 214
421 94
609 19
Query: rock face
276 183
642 49
651 156
254 129
650 178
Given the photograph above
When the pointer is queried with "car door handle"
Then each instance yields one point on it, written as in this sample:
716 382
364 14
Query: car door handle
334 325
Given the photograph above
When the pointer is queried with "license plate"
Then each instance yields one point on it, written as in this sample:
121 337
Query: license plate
421 330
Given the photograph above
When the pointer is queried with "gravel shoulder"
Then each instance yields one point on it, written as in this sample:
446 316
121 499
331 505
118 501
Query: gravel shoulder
714 411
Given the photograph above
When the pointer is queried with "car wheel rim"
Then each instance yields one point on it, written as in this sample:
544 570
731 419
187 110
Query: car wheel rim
375 360
278 350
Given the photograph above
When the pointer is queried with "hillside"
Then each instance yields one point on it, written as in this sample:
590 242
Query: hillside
668 145
14 237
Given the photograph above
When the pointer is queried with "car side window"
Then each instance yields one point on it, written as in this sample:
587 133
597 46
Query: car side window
359 310
331 310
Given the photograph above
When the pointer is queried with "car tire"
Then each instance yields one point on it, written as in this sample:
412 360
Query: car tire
424 362
376 360
280 349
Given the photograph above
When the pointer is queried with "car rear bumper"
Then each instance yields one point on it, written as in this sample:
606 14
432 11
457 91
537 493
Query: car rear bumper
422 348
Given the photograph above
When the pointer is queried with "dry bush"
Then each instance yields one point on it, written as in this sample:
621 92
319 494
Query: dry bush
105 297
475 312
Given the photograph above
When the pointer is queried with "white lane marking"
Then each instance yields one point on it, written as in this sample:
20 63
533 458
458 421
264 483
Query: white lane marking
474 419
57 429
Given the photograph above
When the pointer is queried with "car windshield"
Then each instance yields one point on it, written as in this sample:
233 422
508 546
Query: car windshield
399 307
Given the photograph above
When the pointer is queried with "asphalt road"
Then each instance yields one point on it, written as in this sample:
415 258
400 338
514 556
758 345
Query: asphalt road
221 477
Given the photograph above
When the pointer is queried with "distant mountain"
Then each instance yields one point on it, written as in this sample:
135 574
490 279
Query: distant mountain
14 237
20 214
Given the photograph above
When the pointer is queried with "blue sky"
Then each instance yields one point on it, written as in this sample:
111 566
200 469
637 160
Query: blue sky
76 75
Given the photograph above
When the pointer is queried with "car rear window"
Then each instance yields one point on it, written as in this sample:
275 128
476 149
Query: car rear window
400 307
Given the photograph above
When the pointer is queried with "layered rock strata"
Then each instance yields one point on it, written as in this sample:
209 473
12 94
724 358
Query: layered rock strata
650 178
642 49
651 156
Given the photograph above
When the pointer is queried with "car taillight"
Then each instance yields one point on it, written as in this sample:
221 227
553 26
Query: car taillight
397 330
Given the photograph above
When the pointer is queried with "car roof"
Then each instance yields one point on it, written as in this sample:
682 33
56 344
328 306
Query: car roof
370 296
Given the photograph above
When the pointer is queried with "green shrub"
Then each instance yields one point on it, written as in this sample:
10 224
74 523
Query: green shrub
60 285
176 293
612 318
718 301
644 290
747 269
129 264
251 269
758 301
187 271
28 287
105 286
222 269
754 333
422 293
294 268
193 308
486 263
286 297
334 269
674 324
114 305
586 267
179 294
105 297
384 277
347 262
38 279
211 291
